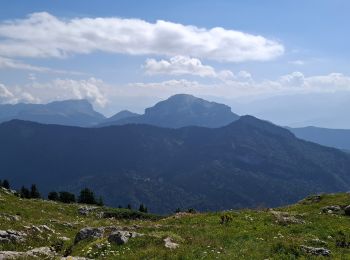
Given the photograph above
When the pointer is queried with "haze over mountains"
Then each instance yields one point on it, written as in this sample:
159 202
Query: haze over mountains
247 163
179 111
69 112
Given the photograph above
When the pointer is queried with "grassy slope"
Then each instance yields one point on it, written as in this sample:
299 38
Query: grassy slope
252 234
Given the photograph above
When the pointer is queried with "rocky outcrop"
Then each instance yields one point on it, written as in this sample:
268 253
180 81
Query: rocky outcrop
40 253
168 243
319 251
86 210
121 237
333 209
347 210
88 232
11 236
285 218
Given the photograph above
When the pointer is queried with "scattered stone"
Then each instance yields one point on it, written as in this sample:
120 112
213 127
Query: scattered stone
318 241
334 209
88 232
316 250
11 236
284 218
46 228
312 199
121 237
40 252
170 244
347 210
64 238
9 217
86 210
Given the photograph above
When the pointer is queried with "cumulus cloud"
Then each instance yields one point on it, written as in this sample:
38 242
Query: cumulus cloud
91 89
292 83
14 96
184 65
44 35
100 93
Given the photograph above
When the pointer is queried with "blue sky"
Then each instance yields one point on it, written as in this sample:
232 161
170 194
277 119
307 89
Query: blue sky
262 49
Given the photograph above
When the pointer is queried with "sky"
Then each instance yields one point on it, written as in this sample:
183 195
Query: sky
259 57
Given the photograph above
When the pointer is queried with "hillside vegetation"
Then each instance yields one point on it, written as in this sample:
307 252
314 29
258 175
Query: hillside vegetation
315 227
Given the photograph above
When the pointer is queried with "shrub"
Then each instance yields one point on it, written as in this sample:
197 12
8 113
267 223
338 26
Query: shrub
87 197
142 208
225 218
34 192
24 193
53 195
6 184
66 197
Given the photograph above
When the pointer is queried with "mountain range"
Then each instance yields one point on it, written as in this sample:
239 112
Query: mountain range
179 111
339 138
247 163
68 112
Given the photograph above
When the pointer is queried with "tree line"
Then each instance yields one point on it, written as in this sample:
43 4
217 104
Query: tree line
86 196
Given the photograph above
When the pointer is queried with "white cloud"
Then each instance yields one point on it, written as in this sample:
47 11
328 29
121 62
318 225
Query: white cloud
14 96
139 95
293 83
44 35
91 89
184 65
7 63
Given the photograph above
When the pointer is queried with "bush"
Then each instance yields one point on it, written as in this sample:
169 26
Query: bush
24 193
193 211
53 195
66 197
87 197
34 192
225 219
6 184
142 208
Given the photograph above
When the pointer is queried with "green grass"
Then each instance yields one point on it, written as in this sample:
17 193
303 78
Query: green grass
249 234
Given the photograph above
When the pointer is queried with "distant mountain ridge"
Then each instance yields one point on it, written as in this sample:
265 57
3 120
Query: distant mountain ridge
338 138
247 163
67 112
182 110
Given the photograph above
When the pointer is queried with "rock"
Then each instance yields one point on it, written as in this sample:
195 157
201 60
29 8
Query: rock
121 237
316 250
86 210
334 209
46 228
170 244
312 199
88 232
11 236
64 238
284 218
40 252
10 217
347 210
318 241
